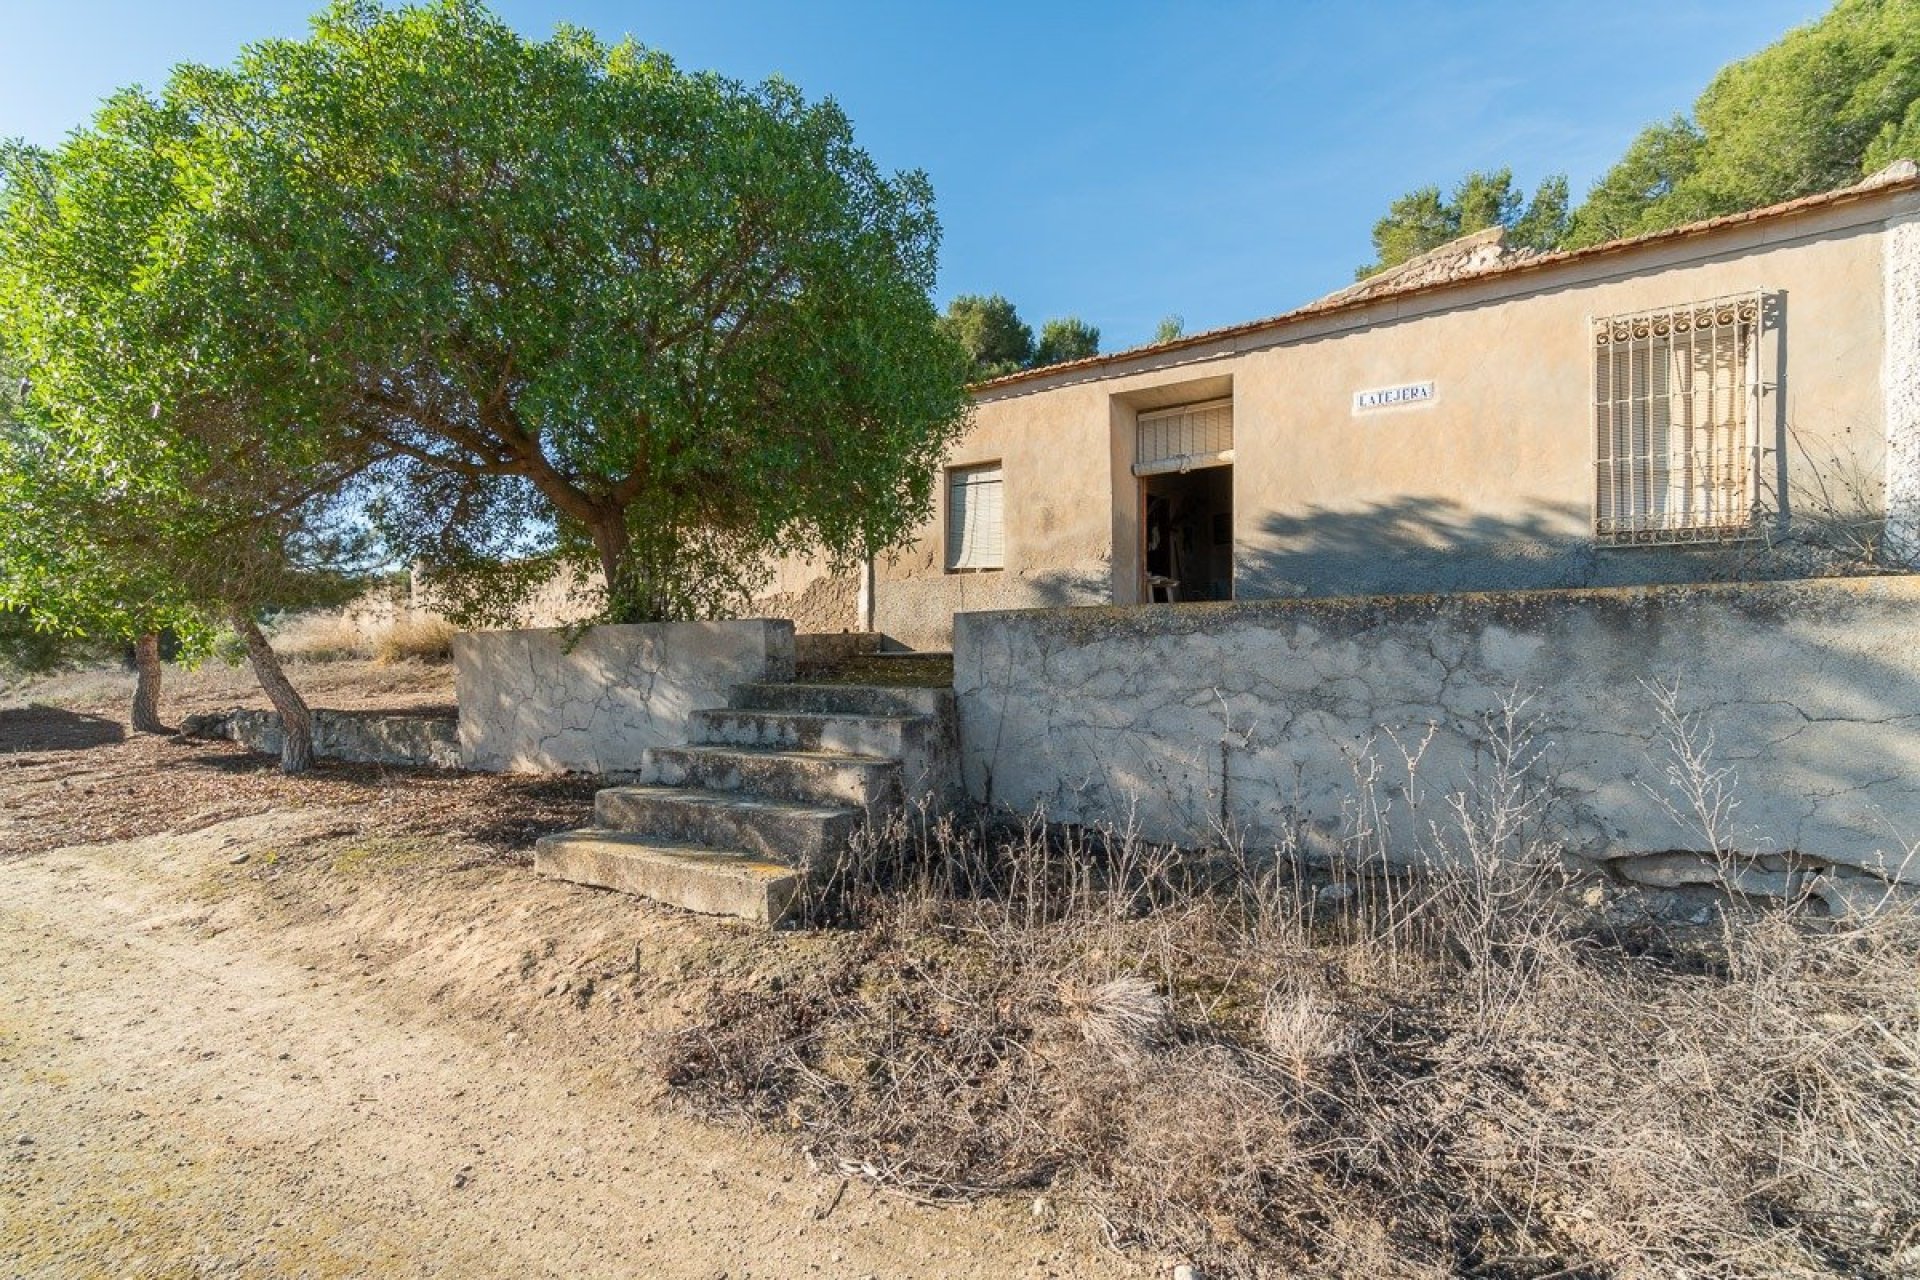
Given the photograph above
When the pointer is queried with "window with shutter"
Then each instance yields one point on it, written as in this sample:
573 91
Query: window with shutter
975 519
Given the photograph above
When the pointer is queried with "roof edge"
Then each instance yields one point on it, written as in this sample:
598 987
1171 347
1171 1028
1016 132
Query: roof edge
1897 179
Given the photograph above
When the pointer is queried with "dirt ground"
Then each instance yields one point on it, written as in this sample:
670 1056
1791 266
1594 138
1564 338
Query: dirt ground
335 1027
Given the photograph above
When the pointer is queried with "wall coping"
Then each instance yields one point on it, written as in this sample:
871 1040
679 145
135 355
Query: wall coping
1374 609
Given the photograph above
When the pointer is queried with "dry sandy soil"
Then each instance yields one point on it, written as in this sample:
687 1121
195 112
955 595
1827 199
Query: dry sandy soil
335 1027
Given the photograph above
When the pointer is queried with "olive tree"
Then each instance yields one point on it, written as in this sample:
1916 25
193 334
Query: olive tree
565 298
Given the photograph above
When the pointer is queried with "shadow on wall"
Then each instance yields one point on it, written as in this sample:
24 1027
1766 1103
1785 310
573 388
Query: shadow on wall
918 612
1063 588
1419 545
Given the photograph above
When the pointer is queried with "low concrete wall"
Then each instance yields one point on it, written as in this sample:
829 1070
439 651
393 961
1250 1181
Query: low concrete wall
1255 716
553 701
357 737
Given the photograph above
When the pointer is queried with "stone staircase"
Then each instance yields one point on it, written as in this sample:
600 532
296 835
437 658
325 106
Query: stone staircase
768 793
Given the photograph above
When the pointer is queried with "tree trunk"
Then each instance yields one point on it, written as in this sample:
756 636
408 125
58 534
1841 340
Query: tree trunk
146 689
615 545
296 721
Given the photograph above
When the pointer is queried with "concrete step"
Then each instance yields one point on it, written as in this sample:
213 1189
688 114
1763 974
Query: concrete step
715 881
843 699
869 783
800 835
855 735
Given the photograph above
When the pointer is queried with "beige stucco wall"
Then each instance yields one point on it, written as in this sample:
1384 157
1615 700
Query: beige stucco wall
816 599
1901 381
804 590
1490 486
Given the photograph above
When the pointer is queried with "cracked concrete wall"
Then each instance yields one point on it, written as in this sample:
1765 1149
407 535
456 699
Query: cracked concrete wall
532 702
1263 717
1900 379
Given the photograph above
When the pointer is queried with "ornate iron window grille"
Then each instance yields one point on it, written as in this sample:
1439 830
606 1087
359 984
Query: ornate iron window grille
1675 403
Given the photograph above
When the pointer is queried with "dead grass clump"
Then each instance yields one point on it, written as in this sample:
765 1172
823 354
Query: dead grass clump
1450 1069
327 636
342 635
418 638
1127 1016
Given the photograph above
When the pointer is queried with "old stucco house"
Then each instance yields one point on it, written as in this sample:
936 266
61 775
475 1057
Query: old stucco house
1737 399
1685 405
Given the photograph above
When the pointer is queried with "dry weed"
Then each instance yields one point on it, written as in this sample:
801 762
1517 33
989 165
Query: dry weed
336 635
1450 1070
420 638
324 636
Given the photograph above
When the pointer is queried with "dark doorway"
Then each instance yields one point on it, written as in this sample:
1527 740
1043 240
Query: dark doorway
1187 526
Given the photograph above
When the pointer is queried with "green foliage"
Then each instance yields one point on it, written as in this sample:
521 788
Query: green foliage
1423 220
58 586
1169 328
228 647
1415 223
1828 104
1482 199
1544 222
1821 108
562 298
996 340
28 649
1895 141
137 494
1069 338
1648 177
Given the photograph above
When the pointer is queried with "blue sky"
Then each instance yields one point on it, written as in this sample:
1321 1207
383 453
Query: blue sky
1120 161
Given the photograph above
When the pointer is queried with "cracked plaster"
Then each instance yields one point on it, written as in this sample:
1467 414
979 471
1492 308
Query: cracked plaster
532 702
1135 716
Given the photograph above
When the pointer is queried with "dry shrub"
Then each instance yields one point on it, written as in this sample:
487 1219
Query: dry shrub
419 637
1127 1016
333 636
1300 1027
321 636
1459 1070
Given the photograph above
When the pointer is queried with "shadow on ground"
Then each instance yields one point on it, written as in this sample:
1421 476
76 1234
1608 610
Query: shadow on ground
53 729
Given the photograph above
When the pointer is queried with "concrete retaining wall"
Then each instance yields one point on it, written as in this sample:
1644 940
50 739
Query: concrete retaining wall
553 701
356 737
1256 716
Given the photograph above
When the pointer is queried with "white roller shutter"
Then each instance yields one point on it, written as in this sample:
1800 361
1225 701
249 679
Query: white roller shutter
1183 438
975 518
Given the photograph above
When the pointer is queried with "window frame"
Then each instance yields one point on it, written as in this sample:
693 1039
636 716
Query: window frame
1643 526
949 480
